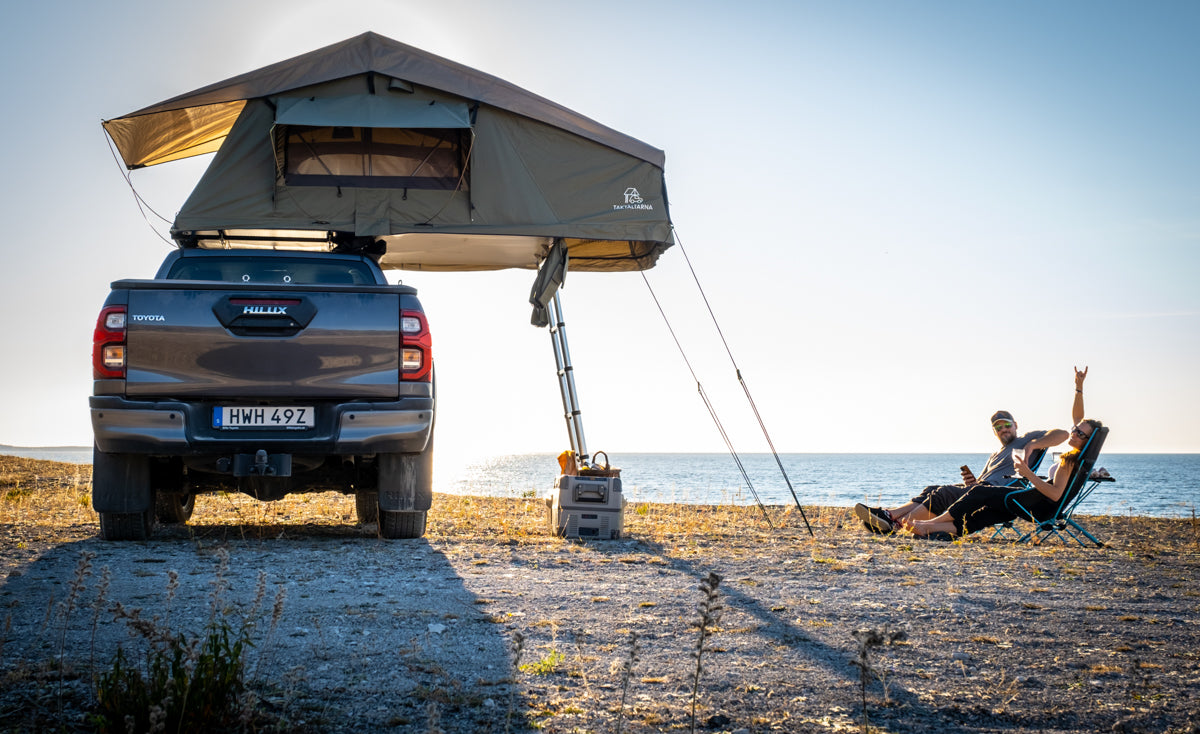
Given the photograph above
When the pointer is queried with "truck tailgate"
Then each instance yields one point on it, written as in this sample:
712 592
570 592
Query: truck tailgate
221 340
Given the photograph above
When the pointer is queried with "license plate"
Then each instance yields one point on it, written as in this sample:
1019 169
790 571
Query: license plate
262 416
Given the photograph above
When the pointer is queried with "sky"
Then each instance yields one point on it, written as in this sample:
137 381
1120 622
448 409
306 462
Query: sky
904 216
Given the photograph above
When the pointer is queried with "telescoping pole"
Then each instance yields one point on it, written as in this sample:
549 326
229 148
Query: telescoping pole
566 380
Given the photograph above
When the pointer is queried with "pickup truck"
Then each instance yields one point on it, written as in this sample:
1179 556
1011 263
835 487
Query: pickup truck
266 372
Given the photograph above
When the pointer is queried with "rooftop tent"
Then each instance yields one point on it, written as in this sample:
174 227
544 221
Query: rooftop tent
370 139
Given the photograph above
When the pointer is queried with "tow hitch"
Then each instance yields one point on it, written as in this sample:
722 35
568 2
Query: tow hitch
258 464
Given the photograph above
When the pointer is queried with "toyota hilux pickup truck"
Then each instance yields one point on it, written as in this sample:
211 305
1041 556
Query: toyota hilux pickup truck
266 372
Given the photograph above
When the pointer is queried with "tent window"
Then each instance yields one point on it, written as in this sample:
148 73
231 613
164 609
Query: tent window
372 157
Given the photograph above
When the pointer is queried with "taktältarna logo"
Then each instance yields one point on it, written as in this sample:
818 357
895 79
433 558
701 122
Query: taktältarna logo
633 200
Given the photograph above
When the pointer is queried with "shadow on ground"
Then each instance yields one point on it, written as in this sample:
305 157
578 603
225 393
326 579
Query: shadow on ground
349 633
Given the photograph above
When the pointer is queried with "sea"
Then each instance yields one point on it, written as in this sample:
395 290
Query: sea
1154 485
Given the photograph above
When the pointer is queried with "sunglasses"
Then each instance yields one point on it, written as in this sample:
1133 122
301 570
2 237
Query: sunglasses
1076 432
1001 424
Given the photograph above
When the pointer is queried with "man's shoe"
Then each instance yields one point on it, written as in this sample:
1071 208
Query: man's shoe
875 519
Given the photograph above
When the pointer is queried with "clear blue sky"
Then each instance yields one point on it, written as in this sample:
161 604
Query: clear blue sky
905 215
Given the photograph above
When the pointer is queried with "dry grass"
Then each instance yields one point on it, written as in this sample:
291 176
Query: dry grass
44 492
46 495
49 493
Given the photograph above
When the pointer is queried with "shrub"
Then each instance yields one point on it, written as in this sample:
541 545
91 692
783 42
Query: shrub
188 684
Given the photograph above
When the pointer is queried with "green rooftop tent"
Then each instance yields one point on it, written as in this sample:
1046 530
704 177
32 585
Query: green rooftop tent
370 140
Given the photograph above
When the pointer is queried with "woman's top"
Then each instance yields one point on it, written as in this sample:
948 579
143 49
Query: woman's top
1070 458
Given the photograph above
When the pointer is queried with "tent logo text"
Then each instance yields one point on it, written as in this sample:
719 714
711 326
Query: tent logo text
633 200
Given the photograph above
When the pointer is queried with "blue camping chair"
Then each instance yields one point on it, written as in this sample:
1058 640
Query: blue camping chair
1059 521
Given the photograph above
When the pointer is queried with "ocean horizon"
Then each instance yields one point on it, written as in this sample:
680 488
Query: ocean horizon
1154 485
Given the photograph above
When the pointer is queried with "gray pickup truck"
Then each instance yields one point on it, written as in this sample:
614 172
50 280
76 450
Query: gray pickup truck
265 372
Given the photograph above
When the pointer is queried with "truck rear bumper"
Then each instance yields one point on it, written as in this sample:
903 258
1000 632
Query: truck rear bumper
175 428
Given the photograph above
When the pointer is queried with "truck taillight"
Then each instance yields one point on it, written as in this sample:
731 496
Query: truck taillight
410 359
108 344
416 344
112 356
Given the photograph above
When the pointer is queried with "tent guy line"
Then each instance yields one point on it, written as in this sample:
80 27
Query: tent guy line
142 204
712 411
741 381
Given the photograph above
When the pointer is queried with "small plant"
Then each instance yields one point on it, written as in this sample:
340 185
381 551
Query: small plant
710 614
76 588
517 648
193 681
185 682
433 718
276 615
627 674
546 665
1006 689
98 606
869 638
1140 682
1195 528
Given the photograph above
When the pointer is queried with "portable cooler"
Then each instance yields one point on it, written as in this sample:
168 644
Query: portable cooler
587 507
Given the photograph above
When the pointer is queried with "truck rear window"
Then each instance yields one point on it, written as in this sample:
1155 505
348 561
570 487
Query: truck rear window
244 270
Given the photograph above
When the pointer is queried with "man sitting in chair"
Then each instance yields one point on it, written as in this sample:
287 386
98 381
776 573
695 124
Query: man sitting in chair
999 471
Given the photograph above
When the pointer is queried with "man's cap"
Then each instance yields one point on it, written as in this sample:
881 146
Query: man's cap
1002 415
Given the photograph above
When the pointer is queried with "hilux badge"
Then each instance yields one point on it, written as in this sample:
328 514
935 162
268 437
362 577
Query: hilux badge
264 311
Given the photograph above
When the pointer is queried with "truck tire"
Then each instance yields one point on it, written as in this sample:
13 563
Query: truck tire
173 503
174 508
126 525
401 525
406 481
366 506
123 495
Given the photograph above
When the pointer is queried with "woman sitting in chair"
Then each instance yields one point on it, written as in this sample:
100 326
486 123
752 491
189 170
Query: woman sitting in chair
984 506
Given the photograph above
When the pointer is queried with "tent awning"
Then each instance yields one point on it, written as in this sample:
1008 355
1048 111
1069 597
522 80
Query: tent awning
173 134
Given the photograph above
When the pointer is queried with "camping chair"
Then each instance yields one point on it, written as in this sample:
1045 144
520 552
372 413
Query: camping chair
1061 522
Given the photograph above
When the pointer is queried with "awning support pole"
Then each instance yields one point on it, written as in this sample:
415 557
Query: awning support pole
566 380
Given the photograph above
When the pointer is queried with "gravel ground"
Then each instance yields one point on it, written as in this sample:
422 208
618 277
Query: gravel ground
375 635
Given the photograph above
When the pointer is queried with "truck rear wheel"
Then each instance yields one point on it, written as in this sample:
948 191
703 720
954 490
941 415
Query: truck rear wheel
123 495
126 525
401 525
174 508
366 506
405 493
